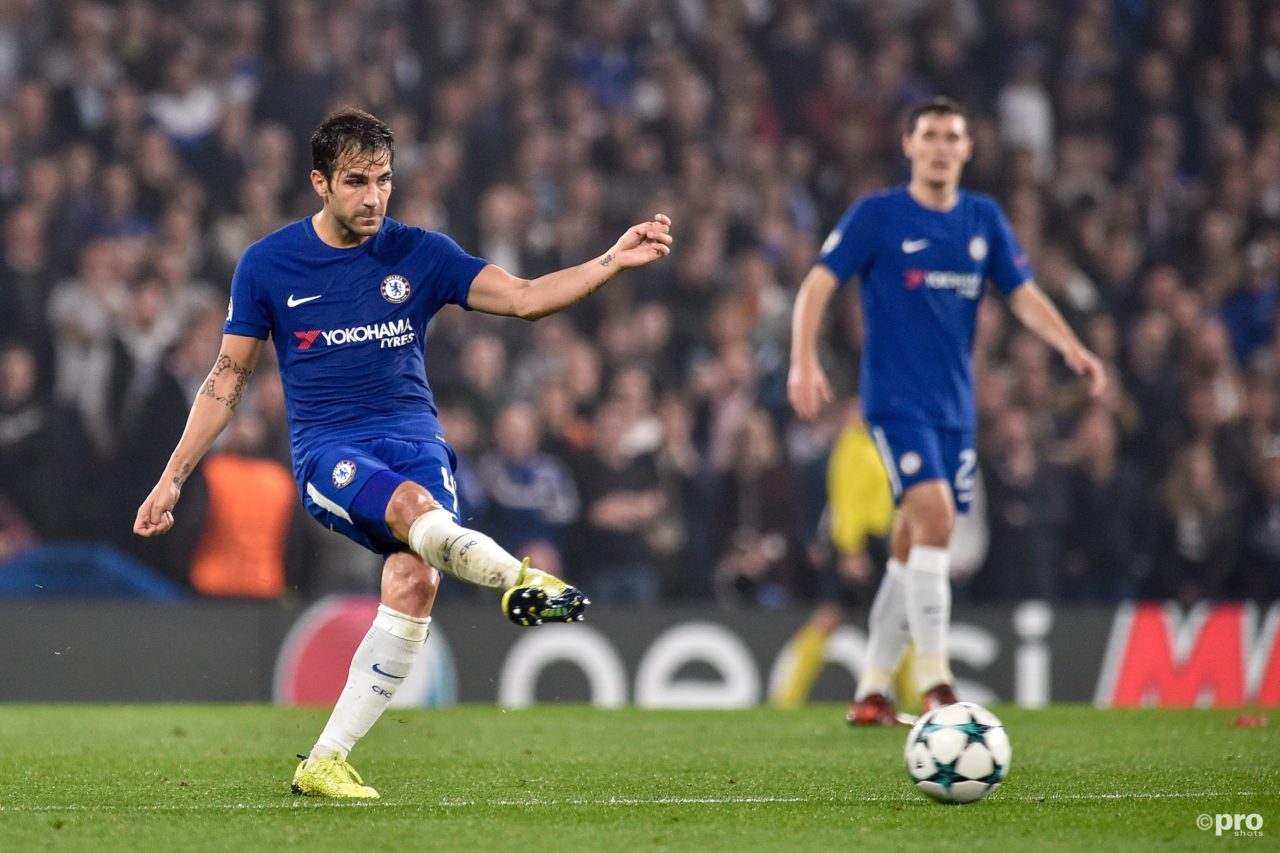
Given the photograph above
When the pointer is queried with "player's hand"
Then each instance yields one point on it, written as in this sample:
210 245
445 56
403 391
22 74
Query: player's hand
1085 363
155 516
808 390
643 243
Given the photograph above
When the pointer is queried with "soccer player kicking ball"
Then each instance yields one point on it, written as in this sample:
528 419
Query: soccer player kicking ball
922 254
346 296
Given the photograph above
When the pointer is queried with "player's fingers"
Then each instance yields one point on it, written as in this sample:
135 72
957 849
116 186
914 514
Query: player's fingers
1098 382
663 218
143 518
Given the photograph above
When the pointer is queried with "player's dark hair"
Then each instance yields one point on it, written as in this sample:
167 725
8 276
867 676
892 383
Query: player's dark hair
937 105
346 131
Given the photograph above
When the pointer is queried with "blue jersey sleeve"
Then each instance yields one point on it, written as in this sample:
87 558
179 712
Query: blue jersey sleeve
1007 265
247 314
848 249
454 269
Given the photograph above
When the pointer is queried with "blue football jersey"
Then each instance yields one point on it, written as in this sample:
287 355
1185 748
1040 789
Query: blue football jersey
922 273
349 326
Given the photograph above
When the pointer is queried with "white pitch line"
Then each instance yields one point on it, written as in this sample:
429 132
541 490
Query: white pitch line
611 801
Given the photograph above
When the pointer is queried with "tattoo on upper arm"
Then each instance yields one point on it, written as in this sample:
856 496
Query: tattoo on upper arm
242 374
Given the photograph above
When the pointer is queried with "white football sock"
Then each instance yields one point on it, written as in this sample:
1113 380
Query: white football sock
929 613
888 632
380 665
467 555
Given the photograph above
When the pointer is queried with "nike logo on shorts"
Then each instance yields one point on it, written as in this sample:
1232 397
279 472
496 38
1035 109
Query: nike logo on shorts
294 303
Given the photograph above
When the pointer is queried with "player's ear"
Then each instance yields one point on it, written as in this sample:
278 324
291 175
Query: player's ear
320 183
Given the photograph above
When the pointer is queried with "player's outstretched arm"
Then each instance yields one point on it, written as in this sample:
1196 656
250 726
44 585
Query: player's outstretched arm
210 414
496 291
807 387
1037 312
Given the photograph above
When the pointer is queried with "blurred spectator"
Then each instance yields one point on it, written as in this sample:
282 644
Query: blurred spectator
483 378
39 446
760 559
1027 508
83 312
187 108
466 435
1149 375
1104 535
532 496
249 510
1258 575
1196 533
24 279
621 500
680 538
1251 311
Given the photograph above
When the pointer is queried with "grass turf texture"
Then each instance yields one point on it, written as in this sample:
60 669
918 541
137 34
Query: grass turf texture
575 778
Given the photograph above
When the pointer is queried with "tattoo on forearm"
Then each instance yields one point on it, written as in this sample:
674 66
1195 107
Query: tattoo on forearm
606 260
181 477
242 374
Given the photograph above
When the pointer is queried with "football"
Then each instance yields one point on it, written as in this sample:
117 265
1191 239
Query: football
958 753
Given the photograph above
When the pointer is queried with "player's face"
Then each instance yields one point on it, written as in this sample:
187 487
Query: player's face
938 147
357 195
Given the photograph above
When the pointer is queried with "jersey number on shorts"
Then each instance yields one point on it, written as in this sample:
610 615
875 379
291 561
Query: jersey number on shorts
965 479
452 485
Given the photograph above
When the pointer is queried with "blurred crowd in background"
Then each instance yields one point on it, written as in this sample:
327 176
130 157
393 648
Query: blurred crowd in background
641 443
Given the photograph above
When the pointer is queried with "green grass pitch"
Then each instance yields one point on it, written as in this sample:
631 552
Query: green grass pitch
184 777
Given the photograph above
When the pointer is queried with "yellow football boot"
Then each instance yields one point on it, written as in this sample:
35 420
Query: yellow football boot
331 776
539 597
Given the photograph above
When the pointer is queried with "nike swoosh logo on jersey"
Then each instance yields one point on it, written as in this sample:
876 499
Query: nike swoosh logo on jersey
910 247
294 303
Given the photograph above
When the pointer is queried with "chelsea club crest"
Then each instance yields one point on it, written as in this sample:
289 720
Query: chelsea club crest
343 473
395 289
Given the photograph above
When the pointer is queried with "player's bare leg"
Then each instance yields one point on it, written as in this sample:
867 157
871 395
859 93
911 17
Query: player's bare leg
531 596
382 661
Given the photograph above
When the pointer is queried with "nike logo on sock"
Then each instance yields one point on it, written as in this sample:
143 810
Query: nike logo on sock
387 674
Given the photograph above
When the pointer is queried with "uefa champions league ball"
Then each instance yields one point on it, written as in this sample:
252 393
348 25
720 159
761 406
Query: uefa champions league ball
958 753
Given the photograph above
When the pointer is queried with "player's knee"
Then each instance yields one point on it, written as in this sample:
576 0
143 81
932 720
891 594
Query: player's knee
936 529
408 501
932 521
409 585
